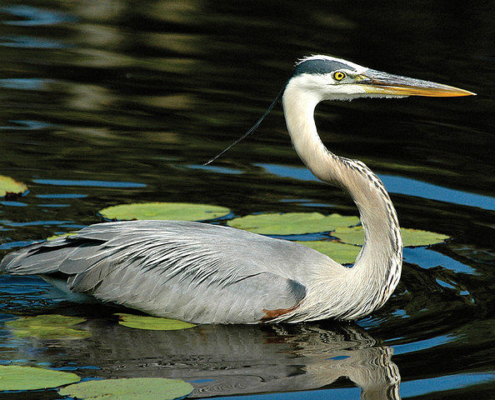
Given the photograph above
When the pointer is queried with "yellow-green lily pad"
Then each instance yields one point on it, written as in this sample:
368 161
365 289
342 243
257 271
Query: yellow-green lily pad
165 211
416 237
16 377
129 389
354 235
11 186
61 235
152 323
292 223
48 327
339 252
410 237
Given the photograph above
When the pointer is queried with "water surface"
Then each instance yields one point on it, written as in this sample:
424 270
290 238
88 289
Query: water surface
110 102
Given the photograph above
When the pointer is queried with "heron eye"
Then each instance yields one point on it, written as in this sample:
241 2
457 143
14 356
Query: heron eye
339 75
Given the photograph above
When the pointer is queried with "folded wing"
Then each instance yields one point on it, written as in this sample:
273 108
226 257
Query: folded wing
191 271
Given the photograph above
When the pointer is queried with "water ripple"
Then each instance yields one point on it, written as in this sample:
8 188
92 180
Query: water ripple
401 185
34 16
444 383
24 83
26 125
90 183
31 42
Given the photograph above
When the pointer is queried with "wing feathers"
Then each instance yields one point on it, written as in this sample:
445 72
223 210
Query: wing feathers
191 271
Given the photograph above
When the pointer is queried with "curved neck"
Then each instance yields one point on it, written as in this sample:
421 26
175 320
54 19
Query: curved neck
378 266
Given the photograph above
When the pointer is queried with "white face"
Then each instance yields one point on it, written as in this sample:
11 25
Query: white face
342 84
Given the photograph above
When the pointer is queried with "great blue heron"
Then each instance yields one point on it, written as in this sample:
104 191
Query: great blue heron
206 273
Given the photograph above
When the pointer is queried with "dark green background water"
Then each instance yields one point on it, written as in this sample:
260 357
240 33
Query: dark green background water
110 102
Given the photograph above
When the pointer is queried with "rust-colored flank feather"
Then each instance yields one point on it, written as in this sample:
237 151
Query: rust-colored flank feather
272 314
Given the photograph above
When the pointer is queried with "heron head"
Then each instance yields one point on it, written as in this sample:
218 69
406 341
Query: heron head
330 78
319 78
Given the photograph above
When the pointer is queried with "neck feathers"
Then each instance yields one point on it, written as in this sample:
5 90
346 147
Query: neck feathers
378 266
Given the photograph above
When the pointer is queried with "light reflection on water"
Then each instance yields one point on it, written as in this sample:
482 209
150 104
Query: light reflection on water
425 386
430 259
27 125
400 185
35 16
422 344
24 84
107 184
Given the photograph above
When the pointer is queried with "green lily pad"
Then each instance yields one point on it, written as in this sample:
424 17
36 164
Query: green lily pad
129 389
48 327
15 377
410 237
354 235
9 185
61 235
416 237
339 252
165 211
152 323
292 223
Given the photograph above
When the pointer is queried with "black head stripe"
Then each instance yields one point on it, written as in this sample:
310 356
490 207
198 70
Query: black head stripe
319 66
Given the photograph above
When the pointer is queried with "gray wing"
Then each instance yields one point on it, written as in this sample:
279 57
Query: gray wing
190 271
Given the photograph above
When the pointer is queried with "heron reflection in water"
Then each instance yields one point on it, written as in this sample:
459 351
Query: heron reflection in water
233 360
214 274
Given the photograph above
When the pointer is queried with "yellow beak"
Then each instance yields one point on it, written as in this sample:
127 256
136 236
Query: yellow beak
388 84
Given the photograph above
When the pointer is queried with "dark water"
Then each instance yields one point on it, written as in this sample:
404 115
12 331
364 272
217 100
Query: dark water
110 102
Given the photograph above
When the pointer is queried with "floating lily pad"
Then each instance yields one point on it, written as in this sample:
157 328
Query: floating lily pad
48 327
15 377
10 186
416 237
410 237
152 323
165 211
129 389
61 235
292 223
354 235
339 252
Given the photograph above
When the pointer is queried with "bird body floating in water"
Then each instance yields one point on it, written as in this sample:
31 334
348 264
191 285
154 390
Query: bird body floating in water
205 273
